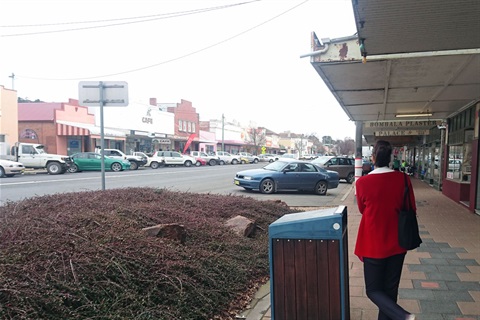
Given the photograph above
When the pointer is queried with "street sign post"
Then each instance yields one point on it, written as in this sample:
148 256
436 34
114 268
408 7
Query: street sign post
103 94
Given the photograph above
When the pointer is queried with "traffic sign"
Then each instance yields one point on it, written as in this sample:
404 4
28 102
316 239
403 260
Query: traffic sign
105 93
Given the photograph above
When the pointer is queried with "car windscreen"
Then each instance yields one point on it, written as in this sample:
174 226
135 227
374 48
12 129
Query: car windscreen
276 166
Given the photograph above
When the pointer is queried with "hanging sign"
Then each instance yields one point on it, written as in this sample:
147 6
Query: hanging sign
401 133
401 123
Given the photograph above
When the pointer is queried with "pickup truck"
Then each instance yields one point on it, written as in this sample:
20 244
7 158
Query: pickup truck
153 162
33 156
135 161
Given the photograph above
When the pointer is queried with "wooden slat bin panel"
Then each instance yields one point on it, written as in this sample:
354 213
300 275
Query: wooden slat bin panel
306 279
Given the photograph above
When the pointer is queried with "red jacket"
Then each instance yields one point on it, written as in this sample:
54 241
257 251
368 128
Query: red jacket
380 198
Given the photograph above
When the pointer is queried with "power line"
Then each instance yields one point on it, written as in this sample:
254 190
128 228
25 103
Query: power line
179 57
139 19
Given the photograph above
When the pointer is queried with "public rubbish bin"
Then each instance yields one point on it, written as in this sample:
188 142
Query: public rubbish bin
308 254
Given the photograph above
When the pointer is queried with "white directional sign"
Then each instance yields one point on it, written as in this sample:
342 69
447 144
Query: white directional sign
107 93
102 94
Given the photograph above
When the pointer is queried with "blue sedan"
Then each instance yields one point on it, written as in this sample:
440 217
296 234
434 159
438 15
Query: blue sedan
288 174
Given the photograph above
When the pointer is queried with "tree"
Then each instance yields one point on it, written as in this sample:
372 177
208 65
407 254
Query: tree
347 146
21 100
317 144
327 140
257 137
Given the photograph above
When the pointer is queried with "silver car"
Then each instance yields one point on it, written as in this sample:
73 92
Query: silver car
10 168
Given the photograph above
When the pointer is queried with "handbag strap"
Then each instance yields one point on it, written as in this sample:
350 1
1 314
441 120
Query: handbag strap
406 195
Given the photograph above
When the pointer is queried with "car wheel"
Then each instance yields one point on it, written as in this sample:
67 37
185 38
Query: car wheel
198 163
212 162
188 163
242 162
267 186
54 168
73 168
234 161
271 160
154 165
350 178
255 160
222 162
116 167
2 172
321 188
133 165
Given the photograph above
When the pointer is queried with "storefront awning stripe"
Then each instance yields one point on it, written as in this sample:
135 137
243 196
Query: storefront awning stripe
66 130
91 129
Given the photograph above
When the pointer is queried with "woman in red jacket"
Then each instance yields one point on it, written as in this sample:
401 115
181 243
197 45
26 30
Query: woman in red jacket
380 198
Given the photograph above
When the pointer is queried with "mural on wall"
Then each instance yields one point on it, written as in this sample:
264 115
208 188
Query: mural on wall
29 134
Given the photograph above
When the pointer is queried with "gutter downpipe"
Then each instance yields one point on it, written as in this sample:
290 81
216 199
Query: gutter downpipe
315 53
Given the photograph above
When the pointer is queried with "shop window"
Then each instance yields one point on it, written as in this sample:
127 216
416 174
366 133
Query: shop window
184 125
459 165
180 125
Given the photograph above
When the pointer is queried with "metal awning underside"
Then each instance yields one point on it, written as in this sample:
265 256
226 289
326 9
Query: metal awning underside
392 26
403 72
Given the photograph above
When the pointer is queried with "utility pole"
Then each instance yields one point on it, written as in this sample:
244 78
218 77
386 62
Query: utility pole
223 132
13 80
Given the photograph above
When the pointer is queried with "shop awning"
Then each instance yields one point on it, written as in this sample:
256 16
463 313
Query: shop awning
68 128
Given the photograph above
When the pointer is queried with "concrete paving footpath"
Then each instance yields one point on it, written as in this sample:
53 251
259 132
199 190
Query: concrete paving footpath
440 280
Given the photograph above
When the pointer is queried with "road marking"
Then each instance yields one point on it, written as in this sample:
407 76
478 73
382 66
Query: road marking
118 175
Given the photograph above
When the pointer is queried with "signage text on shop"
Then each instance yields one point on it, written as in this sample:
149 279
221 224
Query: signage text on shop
401 123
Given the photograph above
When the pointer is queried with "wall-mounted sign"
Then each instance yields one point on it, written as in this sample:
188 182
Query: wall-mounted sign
401 123
392 133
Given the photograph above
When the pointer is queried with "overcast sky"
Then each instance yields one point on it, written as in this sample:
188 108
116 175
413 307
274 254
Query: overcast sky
240 58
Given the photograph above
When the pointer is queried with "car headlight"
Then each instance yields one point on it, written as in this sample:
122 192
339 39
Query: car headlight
247 178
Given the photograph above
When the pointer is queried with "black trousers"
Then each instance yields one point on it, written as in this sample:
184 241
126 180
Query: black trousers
382 278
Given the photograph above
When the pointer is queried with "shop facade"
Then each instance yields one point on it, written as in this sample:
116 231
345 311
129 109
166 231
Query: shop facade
146 128
63 127
461 172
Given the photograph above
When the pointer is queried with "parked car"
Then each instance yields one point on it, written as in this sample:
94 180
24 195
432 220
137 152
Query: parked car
10 168
251 158
153 161
174 158
135 161
288 174
227 157
92 161
200 162
366 166
308 156
244 160
289 156
211 160
345 166
268 157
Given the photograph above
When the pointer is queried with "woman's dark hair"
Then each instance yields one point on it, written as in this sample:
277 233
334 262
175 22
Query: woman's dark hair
382 152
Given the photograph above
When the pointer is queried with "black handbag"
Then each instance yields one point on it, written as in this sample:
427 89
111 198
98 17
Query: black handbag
408 234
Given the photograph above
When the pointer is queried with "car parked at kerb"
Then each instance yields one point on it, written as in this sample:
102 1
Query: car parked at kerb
92 161
288 174
345 166
10 168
